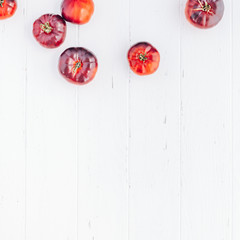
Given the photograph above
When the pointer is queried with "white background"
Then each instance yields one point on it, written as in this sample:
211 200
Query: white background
125 157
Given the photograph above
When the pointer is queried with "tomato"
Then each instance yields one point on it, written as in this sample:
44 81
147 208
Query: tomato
7 8
50 30
143 58
204 13
78 65
77 11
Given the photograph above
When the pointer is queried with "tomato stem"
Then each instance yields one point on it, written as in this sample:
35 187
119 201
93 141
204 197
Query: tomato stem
143 57
206 7
77 66
46 27
1 3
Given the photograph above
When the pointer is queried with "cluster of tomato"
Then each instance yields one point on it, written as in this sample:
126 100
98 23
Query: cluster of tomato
79 65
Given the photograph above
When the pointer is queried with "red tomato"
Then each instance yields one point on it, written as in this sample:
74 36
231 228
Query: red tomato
7 8
77 11
143 58
78 65
50 30
204 13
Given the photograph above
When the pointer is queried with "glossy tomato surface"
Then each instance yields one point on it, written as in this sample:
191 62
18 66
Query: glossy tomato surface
204 13
50 30
143 58
7 8
77 11
78 65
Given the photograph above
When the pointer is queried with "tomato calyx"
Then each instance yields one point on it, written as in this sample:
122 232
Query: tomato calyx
46 27
204 7
142 57
1 3
77 67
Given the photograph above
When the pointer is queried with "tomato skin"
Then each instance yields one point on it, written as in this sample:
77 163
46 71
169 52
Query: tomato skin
7 8
77 11
78 65
143 58
204 13
50 30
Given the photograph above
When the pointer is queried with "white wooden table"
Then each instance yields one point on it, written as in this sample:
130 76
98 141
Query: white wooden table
125 157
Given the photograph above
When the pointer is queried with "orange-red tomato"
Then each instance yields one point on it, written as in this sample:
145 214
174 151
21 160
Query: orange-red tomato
204 13
143 58
7 8
77 11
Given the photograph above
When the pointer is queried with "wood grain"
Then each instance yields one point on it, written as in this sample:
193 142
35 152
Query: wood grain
206 131
125 157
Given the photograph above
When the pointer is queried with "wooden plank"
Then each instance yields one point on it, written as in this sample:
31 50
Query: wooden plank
236 120
154 125
51 138
12 126
206 165
102 128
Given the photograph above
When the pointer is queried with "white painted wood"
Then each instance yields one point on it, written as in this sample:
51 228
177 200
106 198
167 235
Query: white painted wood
236 121
206 137
12 126
51 137
154 158
125 157
103 127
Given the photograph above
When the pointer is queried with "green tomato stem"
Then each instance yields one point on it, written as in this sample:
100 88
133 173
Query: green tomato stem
143 57
77 66
46 27
1 3
206 7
